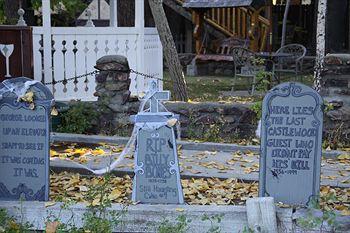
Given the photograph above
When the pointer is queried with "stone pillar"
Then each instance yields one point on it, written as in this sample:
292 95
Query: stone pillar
113 94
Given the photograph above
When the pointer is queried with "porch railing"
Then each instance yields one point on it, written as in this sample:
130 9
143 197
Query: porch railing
75 51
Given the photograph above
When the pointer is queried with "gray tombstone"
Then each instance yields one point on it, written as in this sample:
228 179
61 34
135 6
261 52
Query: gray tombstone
157 175
24 141
291 144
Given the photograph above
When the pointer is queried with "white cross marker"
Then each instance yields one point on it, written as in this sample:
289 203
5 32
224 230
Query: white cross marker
158 96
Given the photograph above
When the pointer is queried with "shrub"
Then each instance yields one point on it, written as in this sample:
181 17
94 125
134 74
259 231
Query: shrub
78 119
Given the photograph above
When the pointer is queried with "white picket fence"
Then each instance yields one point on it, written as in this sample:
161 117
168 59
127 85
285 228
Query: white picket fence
75 50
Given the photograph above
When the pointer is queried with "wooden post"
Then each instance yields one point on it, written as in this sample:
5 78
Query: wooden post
113 13
140 25
234 21
284 25
270 33
253 32
46 14
261 214
197 17
170 53
320 43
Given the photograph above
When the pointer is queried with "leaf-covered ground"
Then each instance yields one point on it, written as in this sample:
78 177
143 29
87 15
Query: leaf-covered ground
201 163
197 191
211 191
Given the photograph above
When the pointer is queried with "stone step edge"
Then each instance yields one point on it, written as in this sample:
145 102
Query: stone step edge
145 217
186 145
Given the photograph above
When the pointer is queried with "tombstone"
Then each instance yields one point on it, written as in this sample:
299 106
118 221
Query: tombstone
291 144
24 140
157 175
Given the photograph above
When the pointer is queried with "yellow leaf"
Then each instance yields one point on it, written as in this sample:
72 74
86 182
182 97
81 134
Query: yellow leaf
344 156
49 203
53 153
96 202
115 194
180 209
171 122
51 227
69 150
97 152
346 212
81 151
54 111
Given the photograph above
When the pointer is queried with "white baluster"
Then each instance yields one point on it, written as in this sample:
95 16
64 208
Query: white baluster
89 22
21 21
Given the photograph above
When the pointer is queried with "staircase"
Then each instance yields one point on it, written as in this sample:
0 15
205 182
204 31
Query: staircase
239 22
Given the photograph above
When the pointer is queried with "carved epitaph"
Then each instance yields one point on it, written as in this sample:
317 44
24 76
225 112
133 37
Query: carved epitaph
157 175
24 141
291 143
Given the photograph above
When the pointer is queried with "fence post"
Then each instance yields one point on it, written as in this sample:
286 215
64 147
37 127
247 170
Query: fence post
140 27
113 13
261 214
46 14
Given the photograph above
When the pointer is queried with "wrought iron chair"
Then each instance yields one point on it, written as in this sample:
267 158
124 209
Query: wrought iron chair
292 63
244 64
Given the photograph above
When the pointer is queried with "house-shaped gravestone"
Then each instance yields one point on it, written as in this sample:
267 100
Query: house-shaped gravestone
25 107
157 175
291 144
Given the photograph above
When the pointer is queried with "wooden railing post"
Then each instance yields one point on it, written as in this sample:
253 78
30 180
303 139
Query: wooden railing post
46 14
197 17
140 25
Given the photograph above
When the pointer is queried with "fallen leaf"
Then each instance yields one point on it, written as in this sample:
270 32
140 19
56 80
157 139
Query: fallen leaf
51 227
49 203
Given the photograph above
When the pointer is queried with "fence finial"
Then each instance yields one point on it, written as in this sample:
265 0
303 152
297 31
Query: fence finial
89 22
21 21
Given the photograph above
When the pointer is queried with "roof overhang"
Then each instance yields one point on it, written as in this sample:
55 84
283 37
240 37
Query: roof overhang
223 3
293 2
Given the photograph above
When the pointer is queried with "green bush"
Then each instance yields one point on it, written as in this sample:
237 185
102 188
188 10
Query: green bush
78 119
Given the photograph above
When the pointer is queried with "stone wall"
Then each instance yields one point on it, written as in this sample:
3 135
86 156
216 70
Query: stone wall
198 120
206 120
336 78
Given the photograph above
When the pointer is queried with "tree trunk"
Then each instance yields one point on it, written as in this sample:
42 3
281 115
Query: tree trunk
320 43
170 53
284 25
348 26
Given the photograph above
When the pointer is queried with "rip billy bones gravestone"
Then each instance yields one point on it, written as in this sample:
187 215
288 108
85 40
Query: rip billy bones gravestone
24 140
157 175
291 143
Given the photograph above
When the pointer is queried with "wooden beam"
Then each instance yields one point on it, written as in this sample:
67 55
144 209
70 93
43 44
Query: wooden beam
244 25
238 24
178 9
229 19
234 21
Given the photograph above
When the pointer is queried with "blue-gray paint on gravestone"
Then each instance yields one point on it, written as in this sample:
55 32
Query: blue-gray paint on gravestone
157 178
24 142
291 141
157 175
